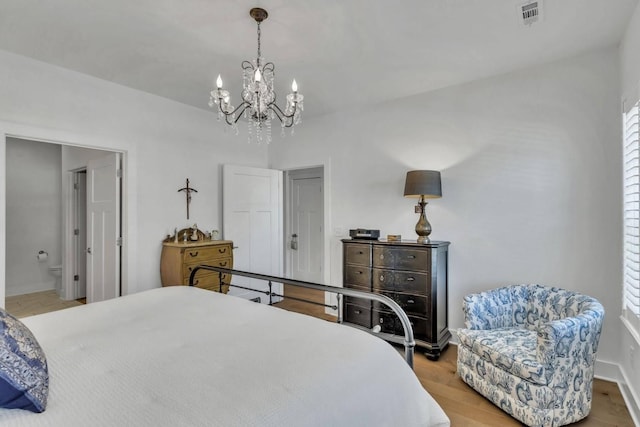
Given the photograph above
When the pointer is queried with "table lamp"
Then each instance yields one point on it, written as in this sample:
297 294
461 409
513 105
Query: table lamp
425 185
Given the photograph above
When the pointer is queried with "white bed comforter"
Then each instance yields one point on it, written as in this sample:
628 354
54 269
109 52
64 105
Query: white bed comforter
182 356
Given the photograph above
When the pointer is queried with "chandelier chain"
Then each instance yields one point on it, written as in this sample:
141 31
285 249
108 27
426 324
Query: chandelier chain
259 54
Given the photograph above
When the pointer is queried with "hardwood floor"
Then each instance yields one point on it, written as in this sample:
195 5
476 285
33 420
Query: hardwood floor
37 303
460 402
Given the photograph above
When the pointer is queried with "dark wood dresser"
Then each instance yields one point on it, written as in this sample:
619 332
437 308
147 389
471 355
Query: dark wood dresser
412 274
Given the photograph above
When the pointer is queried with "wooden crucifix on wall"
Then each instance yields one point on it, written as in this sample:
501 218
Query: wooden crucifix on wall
188 190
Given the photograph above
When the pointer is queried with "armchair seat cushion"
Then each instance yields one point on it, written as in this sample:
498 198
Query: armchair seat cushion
511 349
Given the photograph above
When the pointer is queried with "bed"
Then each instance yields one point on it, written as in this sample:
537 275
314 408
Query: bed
189 357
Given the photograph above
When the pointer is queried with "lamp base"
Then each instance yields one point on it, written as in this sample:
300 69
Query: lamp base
423 228
423 239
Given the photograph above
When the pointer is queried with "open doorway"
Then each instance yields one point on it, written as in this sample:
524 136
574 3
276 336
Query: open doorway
44 252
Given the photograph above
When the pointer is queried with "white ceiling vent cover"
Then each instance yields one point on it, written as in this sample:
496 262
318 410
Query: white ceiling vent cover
530 12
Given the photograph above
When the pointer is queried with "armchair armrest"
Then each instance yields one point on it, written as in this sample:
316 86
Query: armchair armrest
569 338
489 310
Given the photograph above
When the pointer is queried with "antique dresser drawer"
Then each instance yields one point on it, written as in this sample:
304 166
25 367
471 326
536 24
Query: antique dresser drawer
411 304
401 258
210 282
358 315
399 281
390 323
357 254
220 262
356 276
192 255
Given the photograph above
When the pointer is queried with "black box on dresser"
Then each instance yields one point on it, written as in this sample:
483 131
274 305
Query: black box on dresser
412 274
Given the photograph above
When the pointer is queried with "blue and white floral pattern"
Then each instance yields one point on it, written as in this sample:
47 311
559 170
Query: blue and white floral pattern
24 376
531 350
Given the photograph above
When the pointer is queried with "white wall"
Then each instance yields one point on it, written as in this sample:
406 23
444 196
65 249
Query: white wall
34 212
530 167
629 354
164 142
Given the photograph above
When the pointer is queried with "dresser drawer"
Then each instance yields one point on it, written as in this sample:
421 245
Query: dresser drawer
220 262
356 276
357 301
400 281
357 314
357 254
202 272
390 323
401 258
199 254
411 304
209 280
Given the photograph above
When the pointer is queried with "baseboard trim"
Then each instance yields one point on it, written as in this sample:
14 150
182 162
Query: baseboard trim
613 372
30 289
608 371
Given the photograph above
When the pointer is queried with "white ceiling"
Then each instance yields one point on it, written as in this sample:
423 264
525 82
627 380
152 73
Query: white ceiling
343 53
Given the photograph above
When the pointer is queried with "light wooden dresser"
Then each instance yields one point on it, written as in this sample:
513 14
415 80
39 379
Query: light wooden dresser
178 260
412 274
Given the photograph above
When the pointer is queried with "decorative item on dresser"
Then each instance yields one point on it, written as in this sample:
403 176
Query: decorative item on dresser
179 258
412 274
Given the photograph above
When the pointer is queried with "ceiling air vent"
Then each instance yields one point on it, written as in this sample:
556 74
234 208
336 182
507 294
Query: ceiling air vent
530 12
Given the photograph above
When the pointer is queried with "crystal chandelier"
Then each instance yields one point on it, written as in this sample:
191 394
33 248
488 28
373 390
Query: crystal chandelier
258 104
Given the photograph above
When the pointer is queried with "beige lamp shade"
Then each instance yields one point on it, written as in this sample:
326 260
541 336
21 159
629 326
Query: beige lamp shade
423 183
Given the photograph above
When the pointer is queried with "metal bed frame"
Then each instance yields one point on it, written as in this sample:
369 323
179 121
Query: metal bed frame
408 341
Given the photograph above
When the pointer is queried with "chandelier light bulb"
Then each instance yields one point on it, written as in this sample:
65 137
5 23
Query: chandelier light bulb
258 75
294 86
219 82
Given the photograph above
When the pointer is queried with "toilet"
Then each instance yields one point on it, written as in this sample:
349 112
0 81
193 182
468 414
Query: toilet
56 271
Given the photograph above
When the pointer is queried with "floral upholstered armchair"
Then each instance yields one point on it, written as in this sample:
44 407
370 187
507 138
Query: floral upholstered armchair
531 349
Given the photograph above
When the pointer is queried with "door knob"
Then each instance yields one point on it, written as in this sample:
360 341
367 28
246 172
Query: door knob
89 251
294 241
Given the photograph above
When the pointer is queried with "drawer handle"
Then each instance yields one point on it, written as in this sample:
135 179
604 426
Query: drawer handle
360 253
381 256
193 255
357 311
411 256
411 301
222 250
196 282
410 279
359 272
222 264
381 278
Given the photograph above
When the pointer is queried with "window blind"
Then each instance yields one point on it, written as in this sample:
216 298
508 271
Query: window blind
631 212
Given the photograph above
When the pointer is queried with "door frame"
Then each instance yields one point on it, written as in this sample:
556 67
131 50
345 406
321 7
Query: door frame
128 205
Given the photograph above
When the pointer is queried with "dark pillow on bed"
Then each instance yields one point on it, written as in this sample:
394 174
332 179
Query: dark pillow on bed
24 378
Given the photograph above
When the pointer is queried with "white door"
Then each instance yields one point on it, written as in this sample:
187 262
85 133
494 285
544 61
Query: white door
103 228
305 226
252 219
